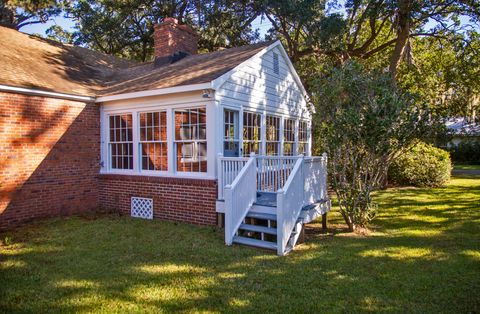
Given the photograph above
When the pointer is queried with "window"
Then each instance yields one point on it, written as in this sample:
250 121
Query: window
191 140
273 135
289 137
302 138
121 141
276 68
153 140
251 133
230 135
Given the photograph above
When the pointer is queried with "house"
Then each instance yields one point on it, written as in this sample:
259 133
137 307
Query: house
462 130
196 138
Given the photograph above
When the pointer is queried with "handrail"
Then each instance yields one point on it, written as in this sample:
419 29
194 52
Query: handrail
239 197
290 201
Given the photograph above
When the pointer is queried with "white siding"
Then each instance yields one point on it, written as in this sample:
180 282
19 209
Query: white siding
255 86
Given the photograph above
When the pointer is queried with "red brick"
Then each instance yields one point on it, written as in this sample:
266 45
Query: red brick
171 37
168 194
50 152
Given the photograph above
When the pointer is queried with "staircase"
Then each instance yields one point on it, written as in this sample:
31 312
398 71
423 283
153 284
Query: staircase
259 229
267 200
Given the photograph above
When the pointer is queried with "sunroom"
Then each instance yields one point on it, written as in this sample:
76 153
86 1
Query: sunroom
248 130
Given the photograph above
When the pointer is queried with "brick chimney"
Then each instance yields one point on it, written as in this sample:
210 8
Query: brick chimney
173 41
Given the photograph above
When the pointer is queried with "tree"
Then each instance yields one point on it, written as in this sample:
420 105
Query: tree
445 73
125 28
363 121
19 13
59 34
370 27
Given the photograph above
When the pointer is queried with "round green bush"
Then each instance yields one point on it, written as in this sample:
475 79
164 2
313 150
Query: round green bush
423 166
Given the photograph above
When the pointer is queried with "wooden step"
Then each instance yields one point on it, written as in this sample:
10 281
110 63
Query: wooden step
261 216
254 242
256 228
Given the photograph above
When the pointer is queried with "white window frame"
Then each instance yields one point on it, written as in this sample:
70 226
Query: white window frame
140 142
195 142
159 104
285 141
278 130
110 142
244 140
306 142
236 129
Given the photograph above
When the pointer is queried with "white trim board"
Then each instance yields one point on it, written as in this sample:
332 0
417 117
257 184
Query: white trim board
36 92
156 92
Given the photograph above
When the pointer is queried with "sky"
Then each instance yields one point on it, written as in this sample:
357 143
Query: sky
263 25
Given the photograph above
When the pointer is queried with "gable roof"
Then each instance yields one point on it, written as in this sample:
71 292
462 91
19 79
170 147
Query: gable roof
194 69
31 62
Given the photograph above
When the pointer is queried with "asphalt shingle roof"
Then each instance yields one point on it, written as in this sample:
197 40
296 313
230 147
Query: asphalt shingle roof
32 62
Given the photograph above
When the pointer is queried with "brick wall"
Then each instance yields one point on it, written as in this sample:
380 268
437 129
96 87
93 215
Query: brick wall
49 151
175 199
171 37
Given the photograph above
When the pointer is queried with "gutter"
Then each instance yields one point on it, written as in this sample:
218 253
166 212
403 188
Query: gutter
36 92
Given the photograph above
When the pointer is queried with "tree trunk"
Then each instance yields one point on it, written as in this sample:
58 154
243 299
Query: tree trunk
349 221
403 31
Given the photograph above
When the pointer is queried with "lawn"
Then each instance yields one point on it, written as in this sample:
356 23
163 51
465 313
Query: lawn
422 256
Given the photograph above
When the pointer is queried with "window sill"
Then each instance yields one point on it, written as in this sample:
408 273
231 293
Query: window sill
160 174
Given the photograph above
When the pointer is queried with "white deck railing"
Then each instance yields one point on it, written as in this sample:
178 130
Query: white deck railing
290 200
298 181
228 169
315 179
273 171
239 197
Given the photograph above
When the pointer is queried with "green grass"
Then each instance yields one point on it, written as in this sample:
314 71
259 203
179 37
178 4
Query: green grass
423 256
466 167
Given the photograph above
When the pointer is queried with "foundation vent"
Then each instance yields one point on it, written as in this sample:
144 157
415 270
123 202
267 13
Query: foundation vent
142 208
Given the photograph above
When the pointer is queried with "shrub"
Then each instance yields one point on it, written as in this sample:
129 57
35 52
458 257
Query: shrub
362 121
423 166
466 152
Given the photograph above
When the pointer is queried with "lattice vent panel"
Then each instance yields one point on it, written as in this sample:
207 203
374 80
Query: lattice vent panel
142 208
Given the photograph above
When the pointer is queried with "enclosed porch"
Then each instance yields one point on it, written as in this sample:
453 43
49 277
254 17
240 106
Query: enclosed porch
266 200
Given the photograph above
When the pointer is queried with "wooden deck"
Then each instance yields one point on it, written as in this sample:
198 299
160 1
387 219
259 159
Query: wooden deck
266 199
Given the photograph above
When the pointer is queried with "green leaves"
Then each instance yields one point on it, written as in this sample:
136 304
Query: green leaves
125 28
424 166
19 13
363 121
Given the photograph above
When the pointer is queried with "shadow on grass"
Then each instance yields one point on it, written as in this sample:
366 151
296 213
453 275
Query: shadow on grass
120 264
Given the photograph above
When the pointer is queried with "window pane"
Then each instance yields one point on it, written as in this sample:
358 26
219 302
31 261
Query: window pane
153 138
190 137
121 146
251 133
289 137
273 135
302 137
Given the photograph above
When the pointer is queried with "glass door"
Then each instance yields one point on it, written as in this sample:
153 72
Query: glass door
230 135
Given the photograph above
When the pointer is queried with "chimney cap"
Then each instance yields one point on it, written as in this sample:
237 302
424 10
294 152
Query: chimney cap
174 23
